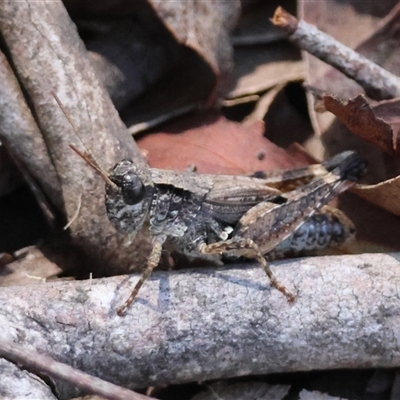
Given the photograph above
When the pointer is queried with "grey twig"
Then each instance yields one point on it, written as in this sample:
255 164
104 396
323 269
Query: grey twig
377 82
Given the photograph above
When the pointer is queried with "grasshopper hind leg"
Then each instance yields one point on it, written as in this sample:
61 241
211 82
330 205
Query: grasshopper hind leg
249 249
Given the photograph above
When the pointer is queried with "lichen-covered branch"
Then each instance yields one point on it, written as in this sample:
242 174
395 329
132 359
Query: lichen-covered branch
208 324
377 82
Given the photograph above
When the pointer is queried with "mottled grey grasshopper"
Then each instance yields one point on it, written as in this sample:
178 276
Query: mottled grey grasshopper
211 216
261 216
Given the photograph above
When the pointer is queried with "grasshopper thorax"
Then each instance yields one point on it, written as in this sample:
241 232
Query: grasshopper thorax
128 200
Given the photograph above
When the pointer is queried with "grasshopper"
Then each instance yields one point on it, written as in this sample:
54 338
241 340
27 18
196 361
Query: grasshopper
211 216
262 216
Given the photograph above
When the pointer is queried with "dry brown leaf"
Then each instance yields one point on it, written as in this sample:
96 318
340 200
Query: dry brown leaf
216 145
185 85
259 68
204 27
128 56
385 194
157 58
201 74
378 230
378 124
32 268
264 62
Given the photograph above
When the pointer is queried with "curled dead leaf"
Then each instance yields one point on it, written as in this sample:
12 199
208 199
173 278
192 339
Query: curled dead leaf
378 124
385 195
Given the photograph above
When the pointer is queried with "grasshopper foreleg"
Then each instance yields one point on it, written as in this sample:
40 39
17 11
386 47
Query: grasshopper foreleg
152 262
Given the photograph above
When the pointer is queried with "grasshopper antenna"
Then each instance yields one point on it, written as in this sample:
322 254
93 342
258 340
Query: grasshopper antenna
87 155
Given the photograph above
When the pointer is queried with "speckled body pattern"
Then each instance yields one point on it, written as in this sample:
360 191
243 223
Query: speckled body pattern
189 208
211 216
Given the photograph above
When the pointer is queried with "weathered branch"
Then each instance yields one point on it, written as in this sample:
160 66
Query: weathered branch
17 383
207 324
377 82
47 365
20 133
47 55
122 55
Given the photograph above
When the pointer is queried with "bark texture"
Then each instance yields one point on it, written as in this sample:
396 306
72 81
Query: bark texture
21 134
17 383
207 324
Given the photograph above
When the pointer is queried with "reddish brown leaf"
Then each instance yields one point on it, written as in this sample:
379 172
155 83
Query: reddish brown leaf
216 145
378 125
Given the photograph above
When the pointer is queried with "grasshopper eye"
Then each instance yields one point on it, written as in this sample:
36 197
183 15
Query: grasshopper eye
133 190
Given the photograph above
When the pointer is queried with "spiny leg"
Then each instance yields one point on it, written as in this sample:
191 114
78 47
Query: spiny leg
152 262
247 248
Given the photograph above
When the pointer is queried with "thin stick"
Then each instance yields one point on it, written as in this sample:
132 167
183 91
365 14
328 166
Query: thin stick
90 384
377 82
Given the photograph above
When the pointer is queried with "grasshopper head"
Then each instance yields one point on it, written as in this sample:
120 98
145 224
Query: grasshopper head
128 200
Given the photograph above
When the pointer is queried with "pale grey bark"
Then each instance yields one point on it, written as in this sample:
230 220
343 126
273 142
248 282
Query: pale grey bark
209 324
18 383
20 133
